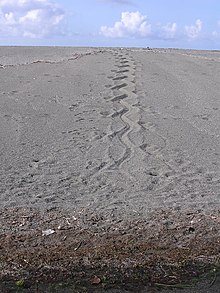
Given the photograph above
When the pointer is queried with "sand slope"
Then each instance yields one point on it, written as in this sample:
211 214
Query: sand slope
111 136
119 128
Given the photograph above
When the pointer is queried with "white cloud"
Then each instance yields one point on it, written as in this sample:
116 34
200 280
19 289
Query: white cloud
193 31
131 24
30 18
168 31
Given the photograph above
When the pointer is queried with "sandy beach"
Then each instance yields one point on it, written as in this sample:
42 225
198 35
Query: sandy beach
109 167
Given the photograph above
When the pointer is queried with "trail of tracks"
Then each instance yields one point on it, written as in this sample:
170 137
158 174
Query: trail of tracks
132 147
123 103
124 93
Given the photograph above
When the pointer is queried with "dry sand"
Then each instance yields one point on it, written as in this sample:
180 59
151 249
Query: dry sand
118 152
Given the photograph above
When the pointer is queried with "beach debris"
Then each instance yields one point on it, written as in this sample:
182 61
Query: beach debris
191 230
67 220
215 277
95 280
20 283
78 246
48 232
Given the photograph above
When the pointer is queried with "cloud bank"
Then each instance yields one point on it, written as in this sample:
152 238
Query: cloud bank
135 24
193 31
30 18
131 24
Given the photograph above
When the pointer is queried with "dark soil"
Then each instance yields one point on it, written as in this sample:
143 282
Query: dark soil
90 251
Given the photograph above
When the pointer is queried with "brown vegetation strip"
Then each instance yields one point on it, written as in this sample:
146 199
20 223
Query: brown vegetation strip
167 247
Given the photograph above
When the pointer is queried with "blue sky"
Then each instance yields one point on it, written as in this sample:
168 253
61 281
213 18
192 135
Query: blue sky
123 23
